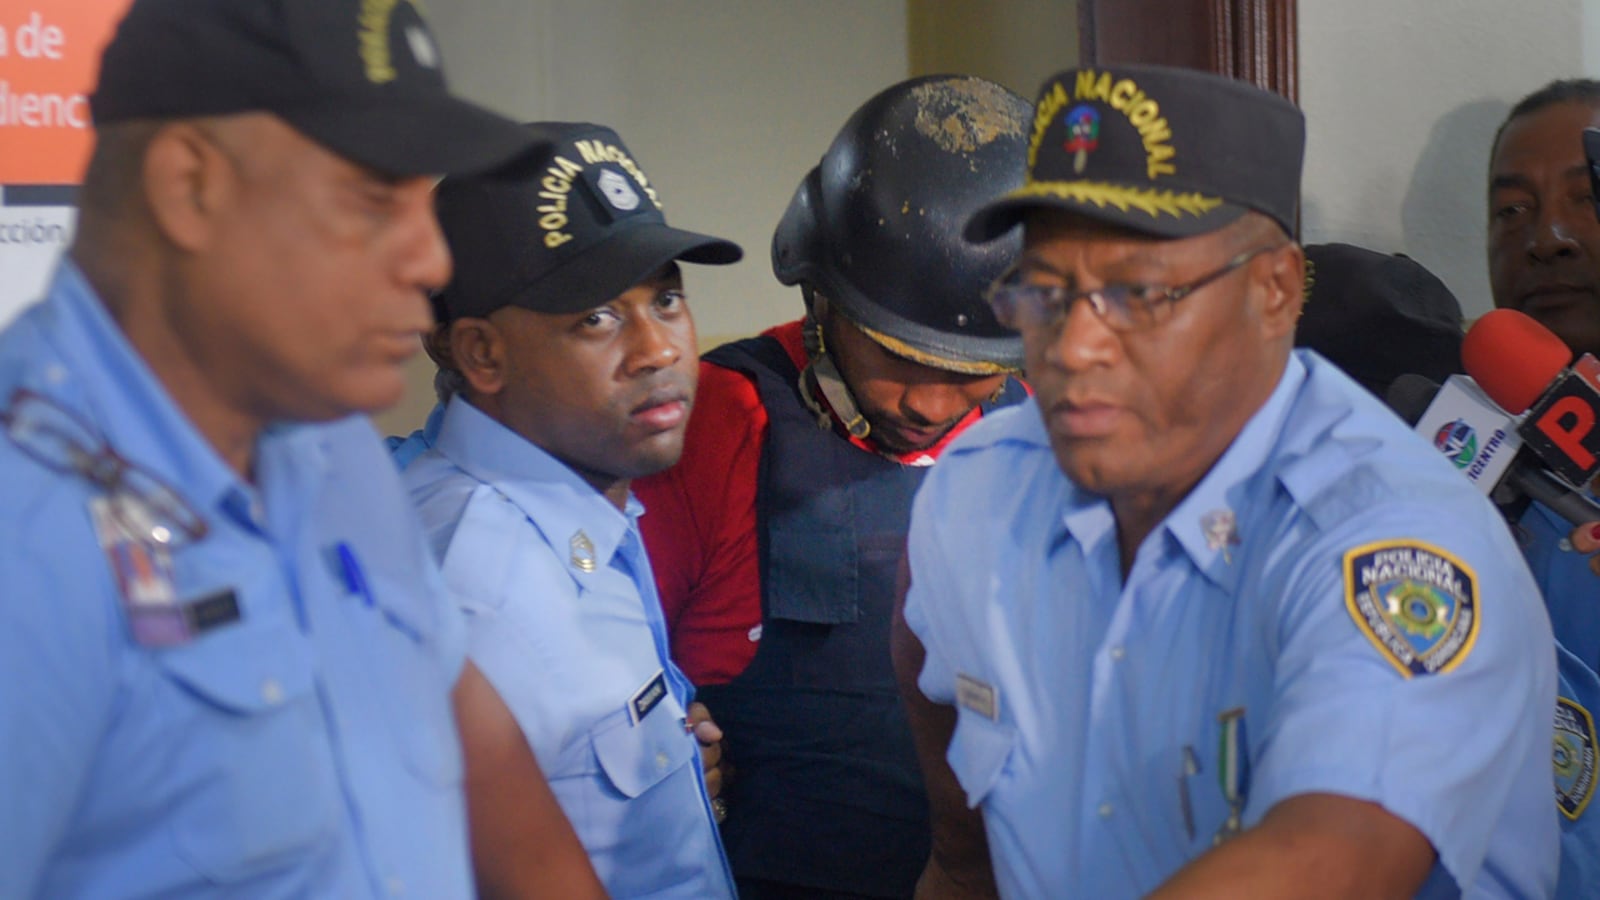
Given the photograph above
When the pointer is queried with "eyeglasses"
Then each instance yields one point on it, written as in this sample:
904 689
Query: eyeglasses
143 505
1019 304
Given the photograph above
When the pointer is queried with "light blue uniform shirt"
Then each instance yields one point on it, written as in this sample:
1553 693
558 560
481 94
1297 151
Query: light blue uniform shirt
1571 589
564 621
1572 597
1090 724
406 449
306 749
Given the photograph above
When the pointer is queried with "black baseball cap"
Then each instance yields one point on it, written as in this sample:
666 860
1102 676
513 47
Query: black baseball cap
1157 150
1378 316
363 78
565 230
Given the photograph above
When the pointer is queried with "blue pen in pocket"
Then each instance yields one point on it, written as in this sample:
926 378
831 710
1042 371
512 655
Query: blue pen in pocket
354 580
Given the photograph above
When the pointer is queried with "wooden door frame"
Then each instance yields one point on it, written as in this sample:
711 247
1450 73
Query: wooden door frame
1251 40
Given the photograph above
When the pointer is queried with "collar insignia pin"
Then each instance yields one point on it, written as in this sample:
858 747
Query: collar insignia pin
1221 531
582 551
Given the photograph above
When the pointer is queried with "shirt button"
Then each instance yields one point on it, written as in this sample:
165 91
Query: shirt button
272 692
1105 810
661 760
1564 545
395 886
1117 652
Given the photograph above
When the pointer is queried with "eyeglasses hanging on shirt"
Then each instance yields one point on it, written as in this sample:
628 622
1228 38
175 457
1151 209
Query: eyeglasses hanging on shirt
143 505
138 520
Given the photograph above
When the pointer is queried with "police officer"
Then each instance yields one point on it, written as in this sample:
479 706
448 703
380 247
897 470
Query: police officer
1202 618
1544 259
775 538
226 666
568 338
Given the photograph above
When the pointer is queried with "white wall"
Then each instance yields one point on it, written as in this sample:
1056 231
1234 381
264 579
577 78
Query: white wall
726 104
1402 98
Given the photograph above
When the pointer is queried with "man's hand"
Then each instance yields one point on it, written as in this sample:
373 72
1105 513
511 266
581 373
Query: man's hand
710 737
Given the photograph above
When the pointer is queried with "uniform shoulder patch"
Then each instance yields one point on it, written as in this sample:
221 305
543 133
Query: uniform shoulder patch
1417 603
1573 758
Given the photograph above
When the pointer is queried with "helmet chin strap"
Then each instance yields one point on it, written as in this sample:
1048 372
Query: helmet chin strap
825 375
822 373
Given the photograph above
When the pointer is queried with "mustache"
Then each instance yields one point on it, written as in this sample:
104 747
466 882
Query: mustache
665 388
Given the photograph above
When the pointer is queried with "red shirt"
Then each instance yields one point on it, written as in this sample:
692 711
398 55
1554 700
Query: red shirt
699 524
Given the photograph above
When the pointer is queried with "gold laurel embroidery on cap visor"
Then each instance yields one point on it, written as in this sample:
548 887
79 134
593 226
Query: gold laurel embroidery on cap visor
1311 282
1574 774
922 357
373 37
1393 592
1149 201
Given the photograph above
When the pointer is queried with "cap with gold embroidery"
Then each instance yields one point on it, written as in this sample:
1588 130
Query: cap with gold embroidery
363 78
569 228
1157 150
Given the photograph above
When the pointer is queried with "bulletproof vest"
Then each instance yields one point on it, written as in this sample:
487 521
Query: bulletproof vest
826 790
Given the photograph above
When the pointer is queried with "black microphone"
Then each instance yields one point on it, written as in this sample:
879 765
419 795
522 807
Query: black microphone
1421 402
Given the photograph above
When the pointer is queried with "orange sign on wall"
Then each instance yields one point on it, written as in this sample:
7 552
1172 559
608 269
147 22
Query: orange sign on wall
49 56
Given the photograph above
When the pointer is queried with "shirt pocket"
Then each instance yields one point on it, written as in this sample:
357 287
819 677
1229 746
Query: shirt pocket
416 694
635 758
979 751
249 748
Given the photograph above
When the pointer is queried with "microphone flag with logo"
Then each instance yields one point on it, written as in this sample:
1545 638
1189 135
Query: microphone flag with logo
1522 366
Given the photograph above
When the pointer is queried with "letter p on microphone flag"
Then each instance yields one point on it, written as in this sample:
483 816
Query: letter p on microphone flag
1561 425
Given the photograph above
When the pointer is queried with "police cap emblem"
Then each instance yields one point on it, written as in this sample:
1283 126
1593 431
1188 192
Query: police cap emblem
617 191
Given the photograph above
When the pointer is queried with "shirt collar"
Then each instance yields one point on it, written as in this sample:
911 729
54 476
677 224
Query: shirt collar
1200 522
103 378
548 492
1086 517
1209 522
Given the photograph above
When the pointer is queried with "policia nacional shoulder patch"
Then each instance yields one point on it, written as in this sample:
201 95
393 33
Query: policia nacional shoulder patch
1573 756
1416 603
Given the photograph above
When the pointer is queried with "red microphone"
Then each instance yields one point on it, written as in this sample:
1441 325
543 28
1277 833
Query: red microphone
1521 365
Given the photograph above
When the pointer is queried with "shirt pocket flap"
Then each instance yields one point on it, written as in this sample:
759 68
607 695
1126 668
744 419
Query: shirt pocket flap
637 757
978 753
246 669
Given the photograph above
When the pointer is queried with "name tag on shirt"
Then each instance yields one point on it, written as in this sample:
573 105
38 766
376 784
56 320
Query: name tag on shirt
978 696
647 697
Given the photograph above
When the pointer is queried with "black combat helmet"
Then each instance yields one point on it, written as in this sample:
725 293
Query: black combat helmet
876 226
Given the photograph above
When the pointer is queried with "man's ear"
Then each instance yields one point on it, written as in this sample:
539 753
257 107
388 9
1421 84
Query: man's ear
1285 292
187 180
477 349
